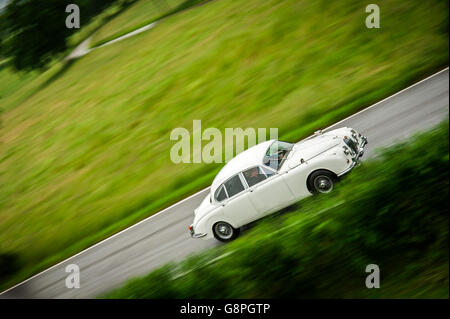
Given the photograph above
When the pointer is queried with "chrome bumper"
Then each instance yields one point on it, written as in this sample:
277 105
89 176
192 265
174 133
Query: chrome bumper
193 234
361 147
357 158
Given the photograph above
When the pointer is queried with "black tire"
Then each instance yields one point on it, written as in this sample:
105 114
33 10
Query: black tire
321 181
224 232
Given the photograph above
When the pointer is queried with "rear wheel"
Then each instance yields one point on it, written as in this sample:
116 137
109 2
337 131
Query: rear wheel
224 231
321 181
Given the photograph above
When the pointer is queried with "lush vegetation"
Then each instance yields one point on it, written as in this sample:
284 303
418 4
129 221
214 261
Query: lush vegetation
34 32
25 56
85 146
142 12
392 212
10 80
111 19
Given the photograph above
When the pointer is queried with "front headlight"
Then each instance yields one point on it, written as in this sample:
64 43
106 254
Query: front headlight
354 134
346 150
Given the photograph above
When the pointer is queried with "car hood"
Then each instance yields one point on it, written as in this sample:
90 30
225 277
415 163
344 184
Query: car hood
310 148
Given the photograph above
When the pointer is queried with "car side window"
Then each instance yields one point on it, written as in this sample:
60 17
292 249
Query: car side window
268 172
220 194
234 186
254 176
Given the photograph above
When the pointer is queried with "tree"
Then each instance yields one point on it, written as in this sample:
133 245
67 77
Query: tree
36 32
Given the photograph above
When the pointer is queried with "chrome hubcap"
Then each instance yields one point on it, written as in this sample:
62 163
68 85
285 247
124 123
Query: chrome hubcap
223 230
323 184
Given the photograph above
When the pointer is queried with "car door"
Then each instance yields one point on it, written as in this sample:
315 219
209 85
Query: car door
238 206
268 190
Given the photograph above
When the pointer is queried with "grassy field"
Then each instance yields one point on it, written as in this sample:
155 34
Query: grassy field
85 147
11 81
97 22
320 247
138 15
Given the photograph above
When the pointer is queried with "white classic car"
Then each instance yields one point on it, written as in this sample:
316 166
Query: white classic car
273 175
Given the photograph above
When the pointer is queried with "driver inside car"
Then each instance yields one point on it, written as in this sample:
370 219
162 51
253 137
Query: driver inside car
254 176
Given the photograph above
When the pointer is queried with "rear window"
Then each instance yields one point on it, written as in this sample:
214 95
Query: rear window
234 186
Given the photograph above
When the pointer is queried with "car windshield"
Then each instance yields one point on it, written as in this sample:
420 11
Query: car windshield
276 154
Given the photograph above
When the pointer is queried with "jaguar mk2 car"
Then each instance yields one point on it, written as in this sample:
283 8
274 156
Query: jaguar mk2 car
273 175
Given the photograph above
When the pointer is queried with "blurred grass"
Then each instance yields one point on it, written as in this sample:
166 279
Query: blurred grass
11 81
85 147
138 15
97 22
391 211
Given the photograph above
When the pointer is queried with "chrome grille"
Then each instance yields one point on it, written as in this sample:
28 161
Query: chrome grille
352 144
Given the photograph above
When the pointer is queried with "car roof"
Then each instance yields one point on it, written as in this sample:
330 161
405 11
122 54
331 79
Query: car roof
246 159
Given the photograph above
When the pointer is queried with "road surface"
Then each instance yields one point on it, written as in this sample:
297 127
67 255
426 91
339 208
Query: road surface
164 237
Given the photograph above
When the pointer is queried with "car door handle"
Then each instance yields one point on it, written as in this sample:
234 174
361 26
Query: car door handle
251 190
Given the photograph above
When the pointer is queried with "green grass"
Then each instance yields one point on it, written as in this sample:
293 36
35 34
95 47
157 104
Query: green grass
96 23
391 211
11 81
138 15
85 147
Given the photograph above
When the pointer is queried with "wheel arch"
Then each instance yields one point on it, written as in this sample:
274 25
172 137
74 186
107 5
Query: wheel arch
308 184
220 217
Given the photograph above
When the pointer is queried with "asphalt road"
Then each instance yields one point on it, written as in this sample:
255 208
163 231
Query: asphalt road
164 236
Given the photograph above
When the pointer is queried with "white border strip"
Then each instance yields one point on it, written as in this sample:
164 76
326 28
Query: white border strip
183 200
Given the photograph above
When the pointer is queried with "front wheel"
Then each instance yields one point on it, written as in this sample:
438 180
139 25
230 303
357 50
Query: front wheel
225 232
321 181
